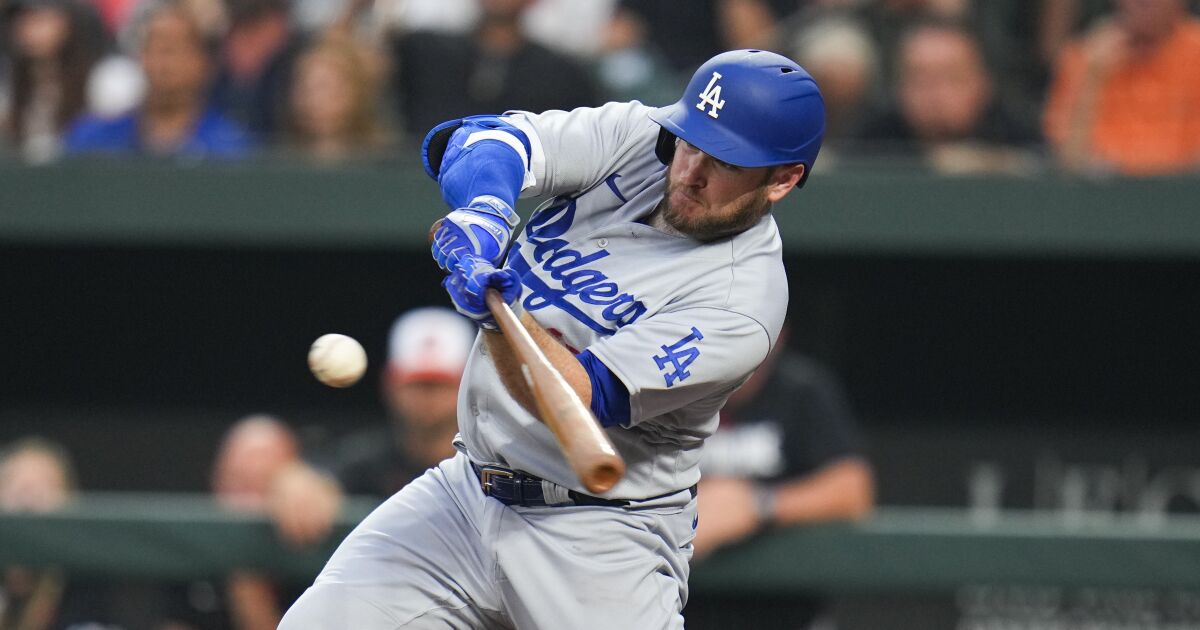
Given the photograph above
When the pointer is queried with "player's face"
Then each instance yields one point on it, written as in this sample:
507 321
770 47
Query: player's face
707 199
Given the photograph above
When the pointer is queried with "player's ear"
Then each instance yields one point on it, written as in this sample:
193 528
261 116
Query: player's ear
782 180
664 148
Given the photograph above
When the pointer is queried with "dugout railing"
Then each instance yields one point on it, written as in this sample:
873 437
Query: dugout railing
392 205
897 549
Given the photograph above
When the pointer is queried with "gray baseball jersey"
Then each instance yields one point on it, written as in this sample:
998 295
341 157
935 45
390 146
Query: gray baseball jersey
681 323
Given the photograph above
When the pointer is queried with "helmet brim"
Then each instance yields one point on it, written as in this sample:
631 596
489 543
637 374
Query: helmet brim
714 140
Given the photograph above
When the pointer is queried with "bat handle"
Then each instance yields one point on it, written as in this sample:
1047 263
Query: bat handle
586 447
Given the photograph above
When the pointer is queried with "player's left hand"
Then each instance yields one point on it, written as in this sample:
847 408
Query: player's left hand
481 229
468 280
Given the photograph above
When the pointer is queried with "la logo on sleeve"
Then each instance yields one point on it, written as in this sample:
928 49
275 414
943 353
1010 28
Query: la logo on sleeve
711 96
679 356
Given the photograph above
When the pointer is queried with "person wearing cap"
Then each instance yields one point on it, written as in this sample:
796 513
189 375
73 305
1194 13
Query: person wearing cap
652 278
427 351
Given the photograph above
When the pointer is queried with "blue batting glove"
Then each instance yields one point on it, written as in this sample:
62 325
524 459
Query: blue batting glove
481 229
469 279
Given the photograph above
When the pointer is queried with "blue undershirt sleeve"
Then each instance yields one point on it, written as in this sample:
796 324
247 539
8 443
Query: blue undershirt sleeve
610 399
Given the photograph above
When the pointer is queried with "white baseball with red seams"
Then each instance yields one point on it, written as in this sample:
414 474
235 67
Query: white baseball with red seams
337 360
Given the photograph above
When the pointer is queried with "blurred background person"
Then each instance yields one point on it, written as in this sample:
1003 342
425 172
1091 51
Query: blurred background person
651 47
1060 21
574 27
687 37
946 113
442 16
334 102
889 20
211 16
427 352
495 68
787 452
53 45
254 66
175 119
837 50
36 475
250 457
1126 95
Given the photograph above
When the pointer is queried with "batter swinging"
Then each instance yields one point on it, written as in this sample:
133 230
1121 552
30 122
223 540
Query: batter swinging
653 279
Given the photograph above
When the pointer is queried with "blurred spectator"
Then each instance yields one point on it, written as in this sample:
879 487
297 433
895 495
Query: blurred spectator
651 47
334 102
209 15
54 45
1126 96
837 50
251 455
253 450
574 27
36 475
1059 21
254 65
889 20
787 452
441 16
947 113
174 119
687 37
427 351
497 68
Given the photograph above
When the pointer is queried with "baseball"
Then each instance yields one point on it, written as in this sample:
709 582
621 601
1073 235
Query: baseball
337 360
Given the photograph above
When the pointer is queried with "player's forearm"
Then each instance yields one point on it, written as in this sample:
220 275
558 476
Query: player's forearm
844 489
509 368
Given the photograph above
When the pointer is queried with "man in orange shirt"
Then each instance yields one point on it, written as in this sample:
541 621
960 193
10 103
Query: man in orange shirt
1126 96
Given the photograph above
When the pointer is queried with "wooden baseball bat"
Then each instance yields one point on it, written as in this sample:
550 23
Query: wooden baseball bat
586 447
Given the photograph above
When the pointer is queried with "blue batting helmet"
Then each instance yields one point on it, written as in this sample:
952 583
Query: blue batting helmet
750 108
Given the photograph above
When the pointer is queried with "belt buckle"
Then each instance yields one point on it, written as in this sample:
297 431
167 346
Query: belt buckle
487 472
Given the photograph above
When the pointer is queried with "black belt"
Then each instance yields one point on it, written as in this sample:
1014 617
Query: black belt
515 487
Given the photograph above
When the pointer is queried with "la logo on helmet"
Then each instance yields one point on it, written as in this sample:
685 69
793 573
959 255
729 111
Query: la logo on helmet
711 96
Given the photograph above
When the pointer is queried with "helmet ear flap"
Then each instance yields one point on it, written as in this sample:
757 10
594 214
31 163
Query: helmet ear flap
665 147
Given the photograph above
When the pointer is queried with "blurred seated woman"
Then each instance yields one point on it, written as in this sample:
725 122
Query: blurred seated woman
53 46
333 107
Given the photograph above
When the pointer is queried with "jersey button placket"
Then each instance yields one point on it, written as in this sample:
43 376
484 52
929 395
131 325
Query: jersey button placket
602 243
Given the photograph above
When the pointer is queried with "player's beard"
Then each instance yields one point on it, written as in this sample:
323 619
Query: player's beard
706 225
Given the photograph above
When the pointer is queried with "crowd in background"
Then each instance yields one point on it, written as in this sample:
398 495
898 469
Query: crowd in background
1010 86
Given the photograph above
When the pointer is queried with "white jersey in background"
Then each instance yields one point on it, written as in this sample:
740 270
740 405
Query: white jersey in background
681 323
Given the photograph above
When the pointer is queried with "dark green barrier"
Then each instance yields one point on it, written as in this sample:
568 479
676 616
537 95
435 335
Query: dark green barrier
393 205
900 549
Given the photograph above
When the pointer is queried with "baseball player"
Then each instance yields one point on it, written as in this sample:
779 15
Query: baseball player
653 280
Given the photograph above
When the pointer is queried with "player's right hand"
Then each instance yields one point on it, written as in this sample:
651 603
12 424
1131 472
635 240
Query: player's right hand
481 229
468 281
